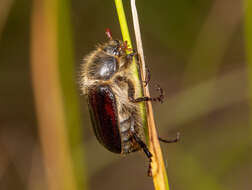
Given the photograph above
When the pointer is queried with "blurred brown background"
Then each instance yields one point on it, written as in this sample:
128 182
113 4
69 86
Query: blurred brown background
195 50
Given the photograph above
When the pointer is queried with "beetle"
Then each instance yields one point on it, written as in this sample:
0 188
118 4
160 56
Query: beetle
106 81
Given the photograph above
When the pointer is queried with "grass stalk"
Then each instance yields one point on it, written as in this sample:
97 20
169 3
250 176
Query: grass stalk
51 62
68 83
134 67
159 175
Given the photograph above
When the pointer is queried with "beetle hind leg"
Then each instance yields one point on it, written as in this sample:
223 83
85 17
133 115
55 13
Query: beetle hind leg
170 141
147 77
146 151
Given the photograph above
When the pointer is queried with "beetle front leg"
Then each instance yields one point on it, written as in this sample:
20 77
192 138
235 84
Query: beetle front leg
127 59
147 77
131 55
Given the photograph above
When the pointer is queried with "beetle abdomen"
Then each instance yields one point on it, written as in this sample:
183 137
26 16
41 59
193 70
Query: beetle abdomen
103 111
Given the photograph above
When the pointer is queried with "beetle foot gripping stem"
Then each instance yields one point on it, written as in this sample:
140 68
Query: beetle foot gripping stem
131 55
125 46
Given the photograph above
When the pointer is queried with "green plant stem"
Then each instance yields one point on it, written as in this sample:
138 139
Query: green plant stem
69 91
123 22
158 171
55 95
134 68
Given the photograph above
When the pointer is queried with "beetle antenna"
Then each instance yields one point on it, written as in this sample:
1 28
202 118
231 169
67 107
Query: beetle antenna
108 34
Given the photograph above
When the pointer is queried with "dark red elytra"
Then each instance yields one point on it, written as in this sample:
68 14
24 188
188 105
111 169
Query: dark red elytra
103 111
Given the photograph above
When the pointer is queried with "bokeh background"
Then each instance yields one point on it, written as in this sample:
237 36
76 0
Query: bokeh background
196 50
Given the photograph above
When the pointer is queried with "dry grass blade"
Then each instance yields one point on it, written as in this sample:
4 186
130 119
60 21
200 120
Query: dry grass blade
48 97
158 168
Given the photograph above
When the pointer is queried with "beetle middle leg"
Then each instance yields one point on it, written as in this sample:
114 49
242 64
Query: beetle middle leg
147 77
160 98
131 92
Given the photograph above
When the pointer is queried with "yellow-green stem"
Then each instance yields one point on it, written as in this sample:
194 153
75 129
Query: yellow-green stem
126 37
158 168
123 22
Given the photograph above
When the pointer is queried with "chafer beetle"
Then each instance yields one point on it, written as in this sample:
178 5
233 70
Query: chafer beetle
110 93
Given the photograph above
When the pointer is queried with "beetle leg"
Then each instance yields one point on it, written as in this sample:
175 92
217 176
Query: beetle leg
145 149
125 47
131 92
147 74
172 140
147 77
160 98
131 55
143 146
127 59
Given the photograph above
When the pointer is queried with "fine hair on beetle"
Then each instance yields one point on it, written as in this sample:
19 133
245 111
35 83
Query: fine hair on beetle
106 81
